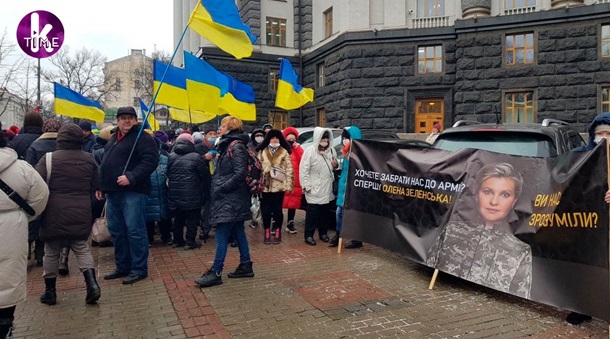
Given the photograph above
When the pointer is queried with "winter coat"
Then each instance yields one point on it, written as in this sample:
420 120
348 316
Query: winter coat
354 134
47 142
143 162
156 205
230 193
281 159
24 139
187 173
252 145
89 143
74 179
293 199
98 150
22 178
603 118
316 170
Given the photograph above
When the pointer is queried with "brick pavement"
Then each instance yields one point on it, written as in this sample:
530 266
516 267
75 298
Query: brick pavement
299 291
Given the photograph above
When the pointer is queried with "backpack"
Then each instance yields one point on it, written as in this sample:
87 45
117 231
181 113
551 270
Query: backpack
255 176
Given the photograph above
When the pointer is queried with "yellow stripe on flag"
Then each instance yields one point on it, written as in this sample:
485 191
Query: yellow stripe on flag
74 110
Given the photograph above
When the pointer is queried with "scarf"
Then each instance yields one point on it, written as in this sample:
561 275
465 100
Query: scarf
272 150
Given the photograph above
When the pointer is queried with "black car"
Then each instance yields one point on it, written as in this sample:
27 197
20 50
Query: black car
549 138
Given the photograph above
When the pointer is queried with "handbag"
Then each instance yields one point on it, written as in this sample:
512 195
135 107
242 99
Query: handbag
278 173
99 232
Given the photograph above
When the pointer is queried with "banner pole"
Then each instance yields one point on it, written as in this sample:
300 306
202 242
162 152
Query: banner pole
608 183
433 280
340 245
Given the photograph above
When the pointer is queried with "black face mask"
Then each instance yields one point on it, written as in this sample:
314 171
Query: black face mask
291 142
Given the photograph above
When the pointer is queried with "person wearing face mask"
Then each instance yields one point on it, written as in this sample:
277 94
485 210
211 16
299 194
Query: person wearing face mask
292 200
274 155
267 128
209 153
256 137
316 176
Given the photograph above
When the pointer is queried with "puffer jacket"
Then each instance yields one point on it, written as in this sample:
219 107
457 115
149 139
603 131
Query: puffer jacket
281 159
354 134
316 171
74 179
187 172
22 178
293 199
24 139
47 142
603 118
156 205
230 193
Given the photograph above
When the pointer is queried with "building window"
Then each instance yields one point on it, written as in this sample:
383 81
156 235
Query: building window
279 119
276 32
605 44
430 59
274 75
513 4
320 75
321 117
328 22
605 105
519 49
519 107
117 84
430 8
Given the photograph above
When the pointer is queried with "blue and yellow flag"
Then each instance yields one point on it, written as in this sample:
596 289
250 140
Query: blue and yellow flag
151 123
72 104
173 88
202 84
220 23
191 117
237 99
291 95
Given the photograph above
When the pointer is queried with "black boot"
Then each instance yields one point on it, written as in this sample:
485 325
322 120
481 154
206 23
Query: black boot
210 278
38 252
93 289
354 244
63 261
335 240
6 327
243 271
49 296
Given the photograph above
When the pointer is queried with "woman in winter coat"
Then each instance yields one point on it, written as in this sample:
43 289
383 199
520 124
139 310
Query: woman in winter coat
292 200
72 178
316 174
188 173
32 129
157 209
26 182
274 155
230 202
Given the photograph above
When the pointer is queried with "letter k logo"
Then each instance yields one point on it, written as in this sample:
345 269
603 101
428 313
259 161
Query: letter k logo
39 37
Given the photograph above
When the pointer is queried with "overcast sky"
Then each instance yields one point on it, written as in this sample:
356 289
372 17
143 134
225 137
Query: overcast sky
112 27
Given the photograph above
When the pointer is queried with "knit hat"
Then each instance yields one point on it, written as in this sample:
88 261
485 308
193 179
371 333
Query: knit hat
197 137
14 129
126 110
51 125
85 125
290 130
266 126
602 128
179 131
161 136
186 136
209 128
438 127
106 133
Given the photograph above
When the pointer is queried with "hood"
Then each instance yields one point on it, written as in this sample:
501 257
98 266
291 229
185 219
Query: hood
183 146
70 136
31 130
317 136
7 157
258 130
603 118
354 132
290 130
274 133
230 137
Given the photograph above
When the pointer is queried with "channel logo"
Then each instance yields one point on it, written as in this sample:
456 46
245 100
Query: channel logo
40 34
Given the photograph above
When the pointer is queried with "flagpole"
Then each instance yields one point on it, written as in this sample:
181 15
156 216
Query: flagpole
154 98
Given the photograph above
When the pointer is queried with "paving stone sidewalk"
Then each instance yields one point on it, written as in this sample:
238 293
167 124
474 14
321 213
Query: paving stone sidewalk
299 291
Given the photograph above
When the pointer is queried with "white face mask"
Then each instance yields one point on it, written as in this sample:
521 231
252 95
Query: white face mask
259 139
324 144
345 142
274 144
597 140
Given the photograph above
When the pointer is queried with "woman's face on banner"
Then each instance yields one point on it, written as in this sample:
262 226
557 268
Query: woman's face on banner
496 198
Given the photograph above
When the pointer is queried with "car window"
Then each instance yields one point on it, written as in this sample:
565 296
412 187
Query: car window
575 139
515 143
303 136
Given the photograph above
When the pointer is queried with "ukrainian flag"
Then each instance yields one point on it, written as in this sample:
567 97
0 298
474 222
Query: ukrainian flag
173 88
220 23
237 99
202 84
291 95
72 104
150 123
191 117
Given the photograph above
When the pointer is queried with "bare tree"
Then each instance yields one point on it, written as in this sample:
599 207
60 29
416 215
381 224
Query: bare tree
10 64
25 87
146 77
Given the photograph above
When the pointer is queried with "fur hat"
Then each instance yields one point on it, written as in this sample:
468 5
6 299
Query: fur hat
51 125
186 136
106 133
274 133
161 136
290 130
126 110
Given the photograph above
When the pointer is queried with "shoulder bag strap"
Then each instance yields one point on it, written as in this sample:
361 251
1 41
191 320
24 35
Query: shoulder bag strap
16 198
49 160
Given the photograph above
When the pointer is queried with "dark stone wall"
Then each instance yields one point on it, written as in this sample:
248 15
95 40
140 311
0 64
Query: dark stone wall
307 26
250 12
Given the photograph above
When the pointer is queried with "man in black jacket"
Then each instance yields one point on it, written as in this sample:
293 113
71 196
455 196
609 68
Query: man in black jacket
127 186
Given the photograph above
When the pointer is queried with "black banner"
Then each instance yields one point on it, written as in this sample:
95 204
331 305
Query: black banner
532 227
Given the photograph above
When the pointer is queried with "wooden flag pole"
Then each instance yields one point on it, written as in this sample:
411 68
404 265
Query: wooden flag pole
608 183
340 245
433 280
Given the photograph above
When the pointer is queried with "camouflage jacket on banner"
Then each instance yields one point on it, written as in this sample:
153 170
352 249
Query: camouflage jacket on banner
490 257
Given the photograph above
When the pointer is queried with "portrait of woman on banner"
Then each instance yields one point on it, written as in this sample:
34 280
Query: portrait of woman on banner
483 248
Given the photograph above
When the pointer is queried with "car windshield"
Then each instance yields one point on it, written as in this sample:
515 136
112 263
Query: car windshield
514 143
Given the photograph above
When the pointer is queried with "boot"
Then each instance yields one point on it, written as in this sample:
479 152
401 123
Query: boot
243 271
210 278
353 244
39 252
277 236
49 296
335 240
267 240
63 261
6 327
93 289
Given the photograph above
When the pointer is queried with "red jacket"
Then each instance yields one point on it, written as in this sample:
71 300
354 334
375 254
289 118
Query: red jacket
293 200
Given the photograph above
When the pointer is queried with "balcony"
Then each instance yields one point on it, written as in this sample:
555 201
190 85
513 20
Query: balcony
430 22
520 10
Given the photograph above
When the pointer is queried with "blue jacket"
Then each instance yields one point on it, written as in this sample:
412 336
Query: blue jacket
355 134
156 205
603 118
